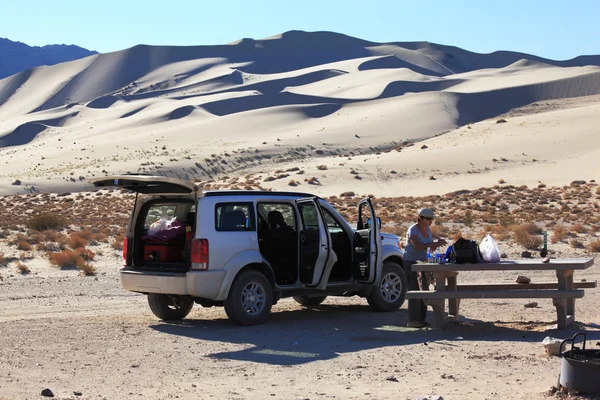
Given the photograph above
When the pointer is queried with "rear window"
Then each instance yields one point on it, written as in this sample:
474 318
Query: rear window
234 217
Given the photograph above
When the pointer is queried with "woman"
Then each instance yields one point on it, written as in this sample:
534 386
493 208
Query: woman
418 239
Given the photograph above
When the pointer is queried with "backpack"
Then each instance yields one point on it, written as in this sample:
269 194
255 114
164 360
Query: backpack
464 251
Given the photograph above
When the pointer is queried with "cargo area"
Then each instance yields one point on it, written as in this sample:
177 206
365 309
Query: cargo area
163 234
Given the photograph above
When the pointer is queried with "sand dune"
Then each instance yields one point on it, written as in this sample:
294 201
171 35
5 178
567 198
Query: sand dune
308 99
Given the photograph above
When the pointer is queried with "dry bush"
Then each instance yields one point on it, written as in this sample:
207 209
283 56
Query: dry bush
594 246
23 245
579 228
576 243
438 230
117 244
85 254
87 268
559 234
75 241
65 259
53 236
526 239
528 227
44 222
24 269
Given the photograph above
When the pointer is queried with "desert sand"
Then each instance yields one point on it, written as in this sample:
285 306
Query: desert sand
491 141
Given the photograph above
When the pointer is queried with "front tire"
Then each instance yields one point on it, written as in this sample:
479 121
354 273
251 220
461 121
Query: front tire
390 293
170 307
250 299
308 301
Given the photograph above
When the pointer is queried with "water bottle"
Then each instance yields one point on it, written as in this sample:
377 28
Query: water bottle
429 255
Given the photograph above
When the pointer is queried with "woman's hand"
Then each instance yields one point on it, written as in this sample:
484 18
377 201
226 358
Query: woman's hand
441 242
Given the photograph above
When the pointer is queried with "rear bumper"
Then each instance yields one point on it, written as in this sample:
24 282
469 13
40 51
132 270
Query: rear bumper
204 284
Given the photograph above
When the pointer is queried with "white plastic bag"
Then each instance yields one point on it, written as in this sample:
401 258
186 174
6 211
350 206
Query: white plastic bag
489 249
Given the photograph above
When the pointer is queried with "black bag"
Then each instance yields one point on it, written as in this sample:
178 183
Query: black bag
465 251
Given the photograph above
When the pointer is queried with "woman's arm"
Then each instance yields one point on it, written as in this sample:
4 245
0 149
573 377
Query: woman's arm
423 246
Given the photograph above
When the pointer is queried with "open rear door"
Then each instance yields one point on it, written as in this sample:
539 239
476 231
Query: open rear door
367 263
145 184
316 255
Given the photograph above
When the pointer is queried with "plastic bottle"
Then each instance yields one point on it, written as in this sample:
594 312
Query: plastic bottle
429 255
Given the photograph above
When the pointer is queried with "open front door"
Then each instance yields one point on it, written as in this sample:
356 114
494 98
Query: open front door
316 255
367 263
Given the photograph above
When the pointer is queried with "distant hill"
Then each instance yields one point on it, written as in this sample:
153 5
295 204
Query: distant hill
16 56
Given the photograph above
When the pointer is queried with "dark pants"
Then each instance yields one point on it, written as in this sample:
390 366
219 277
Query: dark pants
417 309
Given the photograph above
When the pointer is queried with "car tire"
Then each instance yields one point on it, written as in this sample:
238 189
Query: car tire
250 299
390 293
308 301
170 307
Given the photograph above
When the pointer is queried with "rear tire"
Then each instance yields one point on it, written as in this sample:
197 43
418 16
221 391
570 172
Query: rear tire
170 307
250 299
308 301
390 293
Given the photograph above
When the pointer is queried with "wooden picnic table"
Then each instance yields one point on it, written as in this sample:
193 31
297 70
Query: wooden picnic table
563 292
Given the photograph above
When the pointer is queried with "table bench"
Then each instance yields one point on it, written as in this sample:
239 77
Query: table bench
563 292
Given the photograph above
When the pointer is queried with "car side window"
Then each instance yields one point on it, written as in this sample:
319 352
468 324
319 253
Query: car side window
234 217
333 226
276 215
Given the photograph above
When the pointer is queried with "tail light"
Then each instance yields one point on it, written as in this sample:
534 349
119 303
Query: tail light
125 243
199 254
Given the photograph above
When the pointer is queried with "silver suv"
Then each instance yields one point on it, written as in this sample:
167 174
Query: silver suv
245 250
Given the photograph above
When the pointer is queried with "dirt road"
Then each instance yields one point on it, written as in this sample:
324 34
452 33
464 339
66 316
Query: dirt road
86 338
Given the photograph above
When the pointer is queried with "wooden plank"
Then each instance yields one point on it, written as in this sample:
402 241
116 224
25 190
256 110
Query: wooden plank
512 265
495 294
535 285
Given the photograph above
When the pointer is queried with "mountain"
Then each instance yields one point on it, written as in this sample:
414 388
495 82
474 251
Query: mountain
17 56
203 112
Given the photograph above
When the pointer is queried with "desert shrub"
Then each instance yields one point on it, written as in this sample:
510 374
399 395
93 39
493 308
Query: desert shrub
23 245
527 240
43 222
594 246
87 268
64 259
85 254
24 269
75 241
53 236
579 228
117 244
438 230
559 234
529 227
576 243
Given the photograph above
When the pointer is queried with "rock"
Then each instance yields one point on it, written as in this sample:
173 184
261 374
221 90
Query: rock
78 393
503 255
522 279
501 121
47 393
391 379
531 304
526 254
423 147
552 345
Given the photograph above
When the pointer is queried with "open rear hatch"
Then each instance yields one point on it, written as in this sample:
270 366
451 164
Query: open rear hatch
146 184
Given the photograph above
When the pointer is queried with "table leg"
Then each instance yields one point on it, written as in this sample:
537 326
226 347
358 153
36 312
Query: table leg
567 306
453 304
561 312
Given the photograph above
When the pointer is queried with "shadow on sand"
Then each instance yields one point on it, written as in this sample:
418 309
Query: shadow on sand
297 337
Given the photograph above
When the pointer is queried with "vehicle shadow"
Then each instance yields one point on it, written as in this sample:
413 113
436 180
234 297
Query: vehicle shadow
299 336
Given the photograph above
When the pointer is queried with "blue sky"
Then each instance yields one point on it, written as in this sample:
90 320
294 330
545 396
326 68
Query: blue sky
551 28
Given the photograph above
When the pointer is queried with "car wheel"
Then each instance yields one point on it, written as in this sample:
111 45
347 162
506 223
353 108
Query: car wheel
170 307
250 299
390 293
309 300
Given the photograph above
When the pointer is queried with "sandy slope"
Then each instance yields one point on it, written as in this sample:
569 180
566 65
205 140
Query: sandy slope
302 99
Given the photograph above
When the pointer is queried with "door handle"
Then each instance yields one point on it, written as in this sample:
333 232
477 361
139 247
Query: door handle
302 238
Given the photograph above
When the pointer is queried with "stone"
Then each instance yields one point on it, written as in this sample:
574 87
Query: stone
47 393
